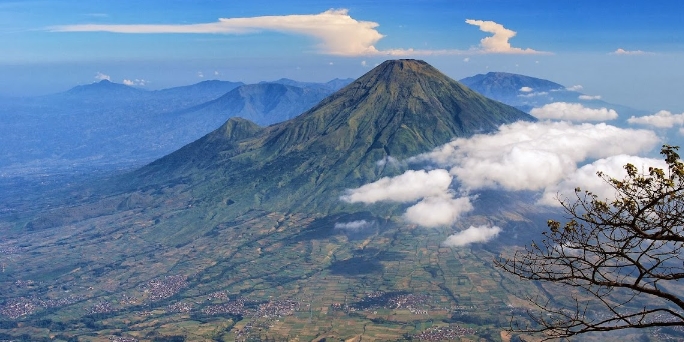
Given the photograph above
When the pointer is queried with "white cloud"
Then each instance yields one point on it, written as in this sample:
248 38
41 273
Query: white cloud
589 97
573 112
587 179
526 89
467 59
628 52
354 226
661 119
681 131
364 64
438 211
135 82
335 30
200 74
216 73
101 77
498 43
575 88
388 160
533 156
408 187
541 93
472 235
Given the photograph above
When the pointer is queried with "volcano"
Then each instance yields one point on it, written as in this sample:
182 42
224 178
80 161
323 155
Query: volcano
398 109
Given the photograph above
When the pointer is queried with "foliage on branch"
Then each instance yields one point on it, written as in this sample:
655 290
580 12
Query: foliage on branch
622 255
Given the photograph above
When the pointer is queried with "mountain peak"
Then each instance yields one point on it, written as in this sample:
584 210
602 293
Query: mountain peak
399 109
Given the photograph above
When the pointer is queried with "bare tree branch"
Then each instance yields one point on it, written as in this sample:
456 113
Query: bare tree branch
622 254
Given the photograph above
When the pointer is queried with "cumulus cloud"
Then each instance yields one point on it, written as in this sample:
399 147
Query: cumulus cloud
498 43
354 226
438 211
526 89
589 97
661 119
576 87
587 179
533 155
135 82
628 52
437 204
573 112
408 187
101 77
474 234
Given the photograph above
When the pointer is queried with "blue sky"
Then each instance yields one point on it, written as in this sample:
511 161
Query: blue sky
50 46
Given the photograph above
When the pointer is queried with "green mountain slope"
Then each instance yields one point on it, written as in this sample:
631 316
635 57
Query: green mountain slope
398 109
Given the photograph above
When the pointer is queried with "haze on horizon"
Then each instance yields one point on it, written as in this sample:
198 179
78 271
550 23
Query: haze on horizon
625 53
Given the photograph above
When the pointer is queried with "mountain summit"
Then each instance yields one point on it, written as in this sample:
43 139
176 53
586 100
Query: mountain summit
398 109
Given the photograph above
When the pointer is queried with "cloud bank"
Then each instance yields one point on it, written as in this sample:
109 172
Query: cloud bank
533 155
335 30
661 119
573 112
471 235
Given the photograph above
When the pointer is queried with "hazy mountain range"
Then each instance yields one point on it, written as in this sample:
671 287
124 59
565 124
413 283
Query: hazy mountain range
105 125
110 125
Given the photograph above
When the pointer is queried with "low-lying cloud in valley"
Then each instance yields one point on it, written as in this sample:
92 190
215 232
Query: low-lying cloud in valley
533 155
438 211
474 234
586 178
354 226
543 156
410 186
573 112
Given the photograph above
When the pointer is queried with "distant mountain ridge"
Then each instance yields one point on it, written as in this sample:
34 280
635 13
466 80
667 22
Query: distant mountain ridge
526 92
265 103
110 125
